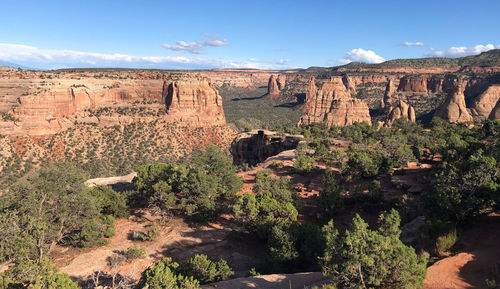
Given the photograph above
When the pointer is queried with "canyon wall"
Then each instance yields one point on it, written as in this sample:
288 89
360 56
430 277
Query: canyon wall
46 103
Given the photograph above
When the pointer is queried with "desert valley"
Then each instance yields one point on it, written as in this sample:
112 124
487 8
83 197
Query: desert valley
190 171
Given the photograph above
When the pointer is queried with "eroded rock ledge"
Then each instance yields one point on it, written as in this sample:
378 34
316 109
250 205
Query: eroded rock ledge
258 145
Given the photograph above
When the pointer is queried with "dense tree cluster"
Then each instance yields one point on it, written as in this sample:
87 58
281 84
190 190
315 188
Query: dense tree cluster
196 188
52 207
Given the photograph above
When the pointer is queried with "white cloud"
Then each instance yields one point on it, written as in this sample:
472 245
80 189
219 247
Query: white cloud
410 44
34 57
197 47
461 51
361 55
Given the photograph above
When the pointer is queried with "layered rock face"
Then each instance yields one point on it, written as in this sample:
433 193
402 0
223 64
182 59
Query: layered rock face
310 94
401 110
194 101
273 90
413 84
495 113
281 81
49 103
333 105
256 146
483 105
349 84
453 109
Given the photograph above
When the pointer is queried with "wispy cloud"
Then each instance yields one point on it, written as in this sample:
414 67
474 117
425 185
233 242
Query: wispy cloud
361 55
35 57
413 44
461 51
197 47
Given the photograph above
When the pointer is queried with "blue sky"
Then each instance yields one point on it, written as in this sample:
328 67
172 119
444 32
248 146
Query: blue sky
256 34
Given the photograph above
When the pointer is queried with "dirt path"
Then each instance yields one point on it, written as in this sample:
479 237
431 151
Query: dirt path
480 251
177 240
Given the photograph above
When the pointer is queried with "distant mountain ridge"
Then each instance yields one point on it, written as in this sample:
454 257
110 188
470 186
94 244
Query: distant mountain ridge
486 59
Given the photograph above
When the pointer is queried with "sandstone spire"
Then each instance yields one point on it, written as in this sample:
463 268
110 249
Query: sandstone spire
273 90
453 109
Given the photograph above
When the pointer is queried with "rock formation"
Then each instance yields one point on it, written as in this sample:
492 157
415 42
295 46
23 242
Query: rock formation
389 98
349 84
42 107
256 146
310 94
333 105
273 89
453 109
495 113
413 84
194 101
401 110
281 81
483 105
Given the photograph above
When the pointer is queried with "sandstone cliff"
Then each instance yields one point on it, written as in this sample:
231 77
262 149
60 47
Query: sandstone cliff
349 84
48 103
194 101
333 105
453 109
281 81
401 110
483 105
310 94
495 113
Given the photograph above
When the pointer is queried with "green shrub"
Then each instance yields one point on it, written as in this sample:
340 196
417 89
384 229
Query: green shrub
330 201
206 271
135 252
111 202
360 257
304 164
164 274
152 232
446 241
367 163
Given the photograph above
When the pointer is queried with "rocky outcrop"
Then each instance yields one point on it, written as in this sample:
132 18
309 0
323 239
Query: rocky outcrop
412 84
390 90
310 94
333 105
194 101
281 80
349 84
483 105
273 89
256 146
401 110
495 113
453 109
435 85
